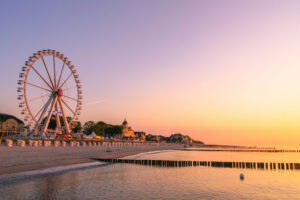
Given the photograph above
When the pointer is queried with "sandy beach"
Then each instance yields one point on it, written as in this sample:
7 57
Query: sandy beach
19 159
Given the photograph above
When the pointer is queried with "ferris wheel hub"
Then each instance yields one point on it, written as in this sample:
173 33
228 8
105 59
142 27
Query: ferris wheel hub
60 92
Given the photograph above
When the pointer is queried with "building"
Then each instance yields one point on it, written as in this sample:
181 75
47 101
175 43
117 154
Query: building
129 134
127 131
141 136
153 138
187 140
178 137
10 125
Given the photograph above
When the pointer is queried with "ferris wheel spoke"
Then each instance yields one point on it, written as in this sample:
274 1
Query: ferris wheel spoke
70 88
54 71
38 86
48 72
67 106
70 98
66 80
41 77
61 71
39 111
37 98
44 109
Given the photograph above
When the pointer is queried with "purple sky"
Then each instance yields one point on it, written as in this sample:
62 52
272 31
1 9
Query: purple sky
203 68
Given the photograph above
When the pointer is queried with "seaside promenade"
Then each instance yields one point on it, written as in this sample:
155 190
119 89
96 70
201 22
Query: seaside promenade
19 159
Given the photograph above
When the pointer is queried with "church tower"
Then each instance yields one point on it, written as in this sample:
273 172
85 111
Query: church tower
125 124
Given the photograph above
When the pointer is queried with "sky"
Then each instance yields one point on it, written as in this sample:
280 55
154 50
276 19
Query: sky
223 72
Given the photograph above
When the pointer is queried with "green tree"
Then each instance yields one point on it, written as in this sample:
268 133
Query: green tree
113 130
88 127
52 122
1 127
77 127
99 128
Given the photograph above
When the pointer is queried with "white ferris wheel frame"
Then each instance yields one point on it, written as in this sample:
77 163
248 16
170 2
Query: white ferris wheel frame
54 86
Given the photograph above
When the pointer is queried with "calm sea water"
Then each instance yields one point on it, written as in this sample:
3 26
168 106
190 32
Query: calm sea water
128 181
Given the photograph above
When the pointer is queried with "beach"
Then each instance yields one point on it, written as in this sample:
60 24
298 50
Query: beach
135 180
20 159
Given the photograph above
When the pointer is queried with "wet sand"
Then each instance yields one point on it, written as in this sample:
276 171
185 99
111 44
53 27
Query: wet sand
19 159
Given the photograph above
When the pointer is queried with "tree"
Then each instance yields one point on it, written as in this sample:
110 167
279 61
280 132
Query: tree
77 127
149 137
1 127
99 128
113 130
88 127
52 121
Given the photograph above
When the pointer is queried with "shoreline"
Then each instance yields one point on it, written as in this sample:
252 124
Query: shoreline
22 159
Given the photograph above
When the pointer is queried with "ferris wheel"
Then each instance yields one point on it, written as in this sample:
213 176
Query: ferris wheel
49 90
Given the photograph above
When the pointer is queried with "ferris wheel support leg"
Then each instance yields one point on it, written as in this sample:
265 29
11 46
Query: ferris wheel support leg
48 117
37 124
58 124
64 116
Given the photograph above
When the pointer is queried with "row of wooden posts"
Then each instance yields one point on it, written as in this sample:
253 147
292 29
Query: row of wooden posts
247 150
48 143
181 163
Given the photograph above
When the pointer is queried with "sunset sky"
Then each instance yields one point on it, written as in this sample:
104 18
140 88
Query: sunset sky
224 72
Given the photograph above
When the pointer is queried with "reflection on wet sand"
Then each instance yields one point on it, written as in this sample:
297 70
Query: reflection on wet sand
49 187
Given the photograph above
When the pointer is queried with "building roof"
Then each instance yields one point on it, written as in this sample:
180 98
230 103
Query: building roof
125 122
4 117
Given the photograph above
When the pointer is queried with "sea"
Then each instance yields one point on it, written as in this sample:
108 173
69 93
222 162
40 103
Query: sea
100 180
